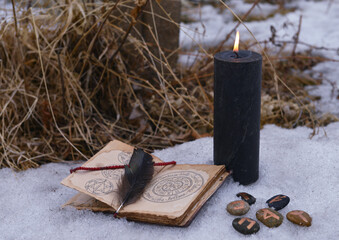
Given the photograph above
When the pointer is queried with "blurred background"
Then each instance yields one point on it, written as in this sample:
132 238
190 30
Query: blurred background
76 74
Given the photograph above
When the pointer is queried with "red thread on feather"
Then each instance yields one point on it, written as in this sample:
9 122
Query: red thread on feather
115 167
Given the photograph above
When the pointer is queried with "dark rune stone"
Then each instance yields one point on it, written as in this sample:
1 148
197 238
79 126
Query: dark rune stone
246 225
247 197
278 202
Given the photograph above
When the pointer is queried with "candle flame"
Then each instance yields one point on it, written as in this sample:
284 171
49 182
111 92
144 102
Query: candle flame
236 43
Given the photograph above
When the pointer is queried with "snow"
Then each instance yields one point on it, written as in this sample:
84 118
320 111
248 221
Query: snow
319 24
329 89
5 8
290 163
320 21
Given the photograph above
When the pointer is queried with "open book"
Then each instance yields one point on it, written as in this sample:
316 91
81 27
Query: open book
173 197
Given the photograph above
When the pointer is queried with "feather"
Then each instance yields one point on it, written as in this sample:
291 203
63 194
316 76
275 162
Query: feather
137 175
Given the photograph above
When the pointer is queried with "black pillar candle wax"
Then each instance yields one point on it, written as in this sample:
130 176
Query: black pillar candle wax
237 96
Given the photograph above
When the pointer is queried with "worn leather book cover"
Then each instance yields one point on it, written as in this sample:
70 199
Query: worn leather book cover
173 197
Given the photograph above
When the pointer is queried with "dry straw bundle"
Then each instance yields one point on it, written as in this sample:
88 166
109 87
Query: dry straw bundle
77 74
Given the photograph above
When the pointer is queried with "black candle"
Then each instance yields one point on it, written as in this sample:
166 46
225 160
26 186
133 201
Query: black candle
237 96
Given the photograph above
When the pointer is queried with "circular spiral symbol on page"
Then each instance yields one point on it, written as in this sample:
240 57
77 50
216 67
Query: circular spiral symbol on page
124 157
113 174
173 186
99 186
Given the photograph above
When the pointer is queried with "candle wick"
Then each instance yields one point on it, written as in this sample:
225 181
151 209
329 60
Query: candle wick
236 54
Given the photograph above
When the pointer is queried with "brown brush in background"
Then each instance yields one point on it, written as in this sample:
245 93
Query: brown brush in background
66 91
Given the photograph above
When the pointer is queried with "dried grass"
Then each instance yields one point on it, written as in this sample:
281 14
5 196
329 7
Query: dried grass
72 78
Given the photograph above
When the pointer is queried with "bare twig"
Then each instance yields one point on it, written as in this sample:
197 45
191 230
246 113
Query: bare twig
39 84
276 78
62 84
15 19
243 18
138 9
296 36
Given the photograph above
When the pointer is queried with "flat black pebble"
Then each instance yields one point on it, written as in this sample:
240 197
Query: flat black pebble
247 197
246 225
278 202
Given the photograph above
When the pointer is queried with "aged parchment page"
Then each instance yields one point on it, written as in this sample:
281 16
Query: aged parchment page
102 185
171 193
83 201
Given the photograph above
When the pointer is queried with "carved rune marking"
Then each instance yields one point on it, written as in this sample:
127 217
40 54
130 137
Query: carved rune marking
239 205
250 221
173 186
277 199
268 214
244 195
300 214
99 186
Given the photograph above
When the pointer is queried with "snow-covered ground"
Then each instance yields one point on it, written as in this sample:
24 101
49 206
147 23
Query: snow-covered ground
319 28
290 163
329 89
4 9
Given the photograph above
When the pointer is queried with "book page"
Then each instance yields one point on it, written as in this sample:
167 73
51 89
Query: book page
83 201
103 185
172 191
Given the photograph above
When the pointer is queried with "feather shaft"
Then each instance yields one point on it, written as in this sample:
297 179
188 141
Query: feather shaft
137 175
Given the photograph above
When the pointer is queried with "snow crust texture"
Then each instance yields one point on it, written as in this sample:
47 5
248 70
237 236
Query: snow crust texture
319 28
320 21
290 163
329 89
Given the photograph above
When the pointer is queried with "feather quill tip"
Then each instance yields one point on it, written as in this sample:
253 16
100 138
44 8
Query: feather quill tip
137 175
